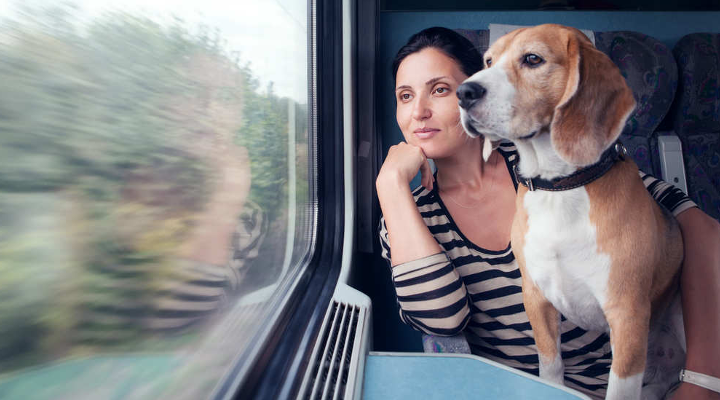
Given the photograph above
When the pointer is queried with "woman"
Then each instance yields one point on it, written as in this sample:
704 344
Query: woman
452 264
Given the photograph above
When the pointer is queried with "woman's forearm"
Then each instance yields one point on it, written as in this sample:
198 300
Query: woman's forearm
700 288
409 237
430 293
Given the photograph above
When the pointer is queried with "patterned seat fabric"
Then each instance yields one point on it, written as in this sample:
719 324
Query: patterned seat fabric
696 116
651 72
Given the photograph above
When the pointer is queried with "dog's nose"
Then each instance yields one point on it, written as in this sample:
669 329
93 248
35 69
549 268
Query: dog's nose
468 93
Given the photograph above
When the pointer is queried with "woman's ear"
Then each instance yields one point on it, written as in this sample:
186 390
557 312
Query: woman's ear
594 107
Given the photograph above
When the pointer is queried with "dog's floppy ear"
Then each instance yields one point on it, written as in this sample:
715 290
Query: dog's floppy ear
488 147
594 107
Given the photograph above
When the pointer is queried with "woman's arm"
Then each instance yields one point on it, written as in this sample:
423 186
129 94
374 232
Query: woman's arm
700 290
699 284
430 293
431 296
408 235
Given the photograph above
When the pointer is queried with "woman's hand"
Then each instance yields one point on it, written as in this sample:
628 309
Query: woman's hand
402 163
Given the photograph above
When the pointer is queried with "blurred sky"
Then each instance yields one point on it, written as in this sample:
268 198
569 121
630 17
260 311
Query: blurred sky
270 34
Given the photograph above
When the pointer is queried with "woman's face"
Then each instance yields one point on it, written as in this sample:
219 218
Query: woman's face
427 107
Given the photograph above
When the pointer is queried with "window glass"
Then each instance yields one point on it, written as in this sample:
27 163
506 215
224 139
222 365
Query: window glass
157 195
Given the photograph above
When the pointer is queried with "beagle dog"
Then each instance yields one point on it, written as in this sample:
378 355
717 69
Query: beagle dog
590 241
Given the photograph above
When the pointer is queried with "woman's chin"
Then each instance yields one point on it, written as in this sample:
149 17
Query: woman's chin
433 152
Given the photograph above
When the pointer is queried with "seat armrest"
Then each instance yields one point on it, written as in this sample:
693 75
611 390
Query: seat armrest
672 165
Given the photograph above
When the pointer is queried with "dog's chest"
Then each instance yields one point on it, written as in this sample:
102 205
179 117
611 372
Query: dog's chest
562 257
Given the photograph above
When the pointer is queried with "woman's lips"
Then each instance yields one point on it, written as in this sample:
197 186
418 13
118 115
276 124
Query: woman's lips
426 133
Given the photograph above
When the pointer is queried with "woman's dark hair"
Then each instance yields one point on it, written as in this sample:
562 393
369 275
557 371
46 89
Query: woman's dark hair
453 44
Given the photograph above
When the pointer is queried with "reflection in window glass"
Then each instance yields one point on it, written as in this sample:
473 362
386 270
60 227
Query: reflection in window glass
156 199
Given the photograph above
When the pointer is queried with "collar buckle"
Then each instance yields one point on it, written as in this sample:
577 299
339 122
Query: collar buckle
527 182
620 150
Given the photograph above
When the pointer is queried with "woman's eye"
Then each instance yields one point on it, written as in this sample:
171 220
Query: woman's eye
441 90
405 96
533 60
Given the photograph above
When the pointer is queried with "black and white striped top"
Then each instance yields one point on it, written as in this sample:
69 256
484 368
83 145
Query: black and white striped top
479 291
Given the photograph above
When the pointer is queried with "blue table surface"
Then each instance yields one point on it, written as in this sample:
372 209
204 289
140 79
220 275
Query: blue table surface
417 376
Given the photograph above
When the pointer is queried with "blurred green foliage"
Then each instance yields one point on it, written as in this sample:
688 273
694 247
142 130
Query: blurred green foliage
264 134
104 164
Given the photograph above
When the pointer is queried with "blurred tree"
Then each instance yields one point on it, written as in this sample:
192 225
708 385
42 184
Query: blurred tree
264 134
109 136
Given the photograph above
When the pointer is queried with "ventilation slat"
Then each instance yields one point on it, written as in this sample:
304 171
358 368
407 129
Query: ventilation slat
346 353
322 356
354 351
338 357
337 342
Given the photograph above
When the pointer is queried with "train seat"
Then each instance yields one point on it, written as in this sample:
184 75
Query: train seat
696 117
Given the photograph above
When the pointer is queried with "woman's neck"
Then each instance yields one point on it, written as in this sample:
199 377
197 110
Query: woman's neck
466 168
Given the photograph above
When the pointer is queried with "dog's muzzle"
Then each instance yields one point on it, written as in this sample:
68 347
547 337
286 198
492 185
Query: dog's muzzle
469 93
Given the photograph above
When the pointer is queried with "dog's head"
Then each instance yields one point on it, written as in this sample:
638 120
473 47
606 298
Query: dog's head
548 79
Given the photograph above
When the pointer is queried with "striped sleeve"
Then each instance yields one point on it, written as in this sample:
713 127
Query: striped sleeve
384 242
666 194
430 294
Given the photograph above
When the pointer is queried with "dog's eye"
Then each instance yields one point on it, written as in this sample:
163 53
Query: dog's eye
488 62
533 60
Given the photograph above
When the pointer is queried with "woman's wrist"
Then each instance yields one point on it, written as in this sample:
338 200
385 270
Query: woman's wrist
392 182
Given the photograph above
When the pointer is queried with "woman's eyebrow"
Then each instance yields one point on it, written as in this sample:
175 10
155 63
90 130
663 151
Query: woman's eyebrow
434 80
428 83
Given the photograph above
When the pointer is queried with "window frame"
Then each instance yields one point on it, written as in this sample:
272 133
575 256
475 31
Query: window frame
278 370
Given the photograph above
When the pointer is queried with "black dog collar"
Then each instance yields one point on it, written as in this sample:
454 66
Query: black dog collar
578 178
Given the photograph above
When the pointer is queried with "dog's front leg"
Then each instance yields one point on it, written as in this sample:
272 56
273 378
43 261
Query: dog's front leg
545 322
629 339
544 318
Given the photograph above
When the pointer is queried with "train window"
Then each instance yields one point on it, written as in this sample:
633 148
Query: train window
157 191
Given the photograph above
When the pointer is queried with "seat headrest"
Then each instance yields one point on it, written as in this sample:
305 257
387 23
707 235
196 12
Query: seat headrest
651 72
697 104
479 37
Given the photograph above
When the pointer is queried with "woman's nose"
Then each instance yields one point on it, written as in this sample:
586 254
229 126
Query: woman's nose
421 109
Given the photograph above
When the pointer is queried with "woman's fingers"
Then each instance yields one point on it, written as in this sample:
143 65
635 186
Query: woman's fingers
421 163
404 159
426 175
